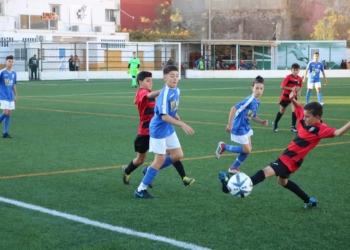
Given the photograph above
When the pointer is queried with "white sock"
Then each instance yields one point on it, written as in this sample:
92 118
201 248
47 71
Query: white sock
141 187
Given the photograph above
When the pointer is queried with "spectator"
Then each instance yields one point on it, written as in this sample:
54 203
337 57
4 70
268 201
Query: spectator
206 62
71 63
201 63
77 63
243 64
169 62
324 64
33 66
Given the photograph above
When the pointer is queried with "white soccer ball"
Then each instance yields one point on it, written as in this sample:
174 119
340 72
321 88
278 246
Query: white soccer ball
240 185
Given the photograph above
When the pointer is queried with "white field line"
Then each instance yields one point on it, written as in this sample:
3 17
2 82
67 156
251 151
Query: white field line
117 229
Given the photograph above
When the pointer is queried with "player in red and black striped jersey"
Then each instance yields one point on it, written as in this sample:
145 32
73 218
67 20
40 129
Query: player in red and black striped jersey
287 85
145 101
311 130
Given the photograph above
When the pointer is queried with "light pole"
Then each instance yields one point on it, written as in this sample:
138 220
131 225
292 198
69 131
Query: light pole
209 35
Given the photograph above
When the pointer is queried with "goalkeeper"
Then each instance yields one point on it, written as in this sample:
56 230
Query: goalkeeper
134 64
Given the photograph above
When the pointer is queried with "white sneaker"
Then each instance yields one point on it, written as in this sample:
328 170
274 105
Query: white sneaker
322 103
233 171
220 149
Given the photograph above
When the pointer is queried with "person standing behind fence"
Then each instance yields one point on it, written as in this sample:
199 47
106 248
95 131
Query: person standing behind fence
71 63
77 63
8 93
33 66
134 65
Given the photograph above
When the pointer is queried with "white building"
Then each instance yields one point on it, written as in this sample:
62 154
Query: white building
79 20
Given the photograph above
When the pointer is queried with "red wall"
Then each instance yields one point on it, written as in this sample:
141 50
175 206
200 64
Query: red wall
137 8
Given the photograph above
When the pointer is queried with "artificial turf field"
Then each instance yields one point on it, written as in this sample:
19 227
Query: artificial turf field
60 174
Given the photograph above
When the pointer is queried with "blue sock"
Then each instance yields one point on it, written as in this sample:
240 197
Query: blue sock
234 149
2 117
7 122
308 94
149 176
240 159
319 97
167 162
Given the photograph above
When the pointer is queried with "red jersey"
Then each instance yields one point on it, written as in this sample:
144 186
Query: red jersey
290 81
306 139
145 107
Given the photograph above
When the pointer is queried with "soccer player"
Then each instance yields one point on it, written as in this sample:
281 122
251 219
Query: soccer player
311 130
239 125
8 94
163 137
313 69
134 64
287 85
145 101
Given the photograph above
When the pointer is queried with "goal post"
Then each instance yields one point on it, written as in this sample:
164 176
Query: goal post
114 55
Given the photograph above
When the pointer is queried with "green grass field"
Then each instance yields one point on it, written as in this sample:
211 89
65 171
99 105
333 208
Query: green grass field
71 138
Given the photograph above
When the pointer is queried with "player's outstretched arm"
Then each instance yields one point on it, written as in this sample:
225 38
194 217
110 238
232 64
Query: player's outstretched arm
188 130
342 130
153 94
258 120
294 102
230 119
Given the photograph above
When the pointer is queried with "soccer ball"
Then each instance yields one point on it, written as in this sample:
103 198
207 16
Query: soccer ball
240 185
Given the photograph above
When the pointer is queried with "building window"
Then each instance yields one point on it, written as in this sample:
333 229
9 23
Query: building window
110 16
20 54
37 23
24 21
56 8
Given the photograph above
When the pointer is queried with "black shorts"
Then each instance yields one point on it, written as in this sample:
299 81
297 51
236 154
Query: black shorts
280 169
284 104
141 143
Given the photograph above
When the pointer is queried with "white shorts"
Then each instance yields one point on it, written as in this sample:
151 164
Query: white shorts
159 146
310 85
7 105
242 139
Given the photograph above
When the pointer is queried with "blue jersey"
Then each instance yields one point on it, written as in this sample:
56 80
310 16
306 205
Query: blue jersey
314 69
246 110
7 82
167 104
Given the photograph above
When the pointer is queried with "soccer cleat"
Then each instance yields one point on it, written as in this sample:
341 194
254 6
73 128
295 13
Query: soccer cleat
224 177
6 135
293 129
220 149
322 103
233 171
312 203
143 171
126 177
143 194
188 181
274 127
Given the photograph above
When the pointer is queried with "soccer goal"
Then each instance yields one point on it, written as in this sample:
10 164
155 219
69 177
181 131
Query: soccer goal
112 57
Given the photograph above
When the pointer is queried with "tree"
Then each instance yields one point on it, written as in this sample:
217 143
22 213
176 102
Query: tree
166 25
333 26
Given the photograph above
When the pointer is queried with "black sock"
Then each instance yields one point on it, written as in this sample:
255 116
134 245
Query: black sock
292 186
278 117
180 168
294 119
258 177
131 167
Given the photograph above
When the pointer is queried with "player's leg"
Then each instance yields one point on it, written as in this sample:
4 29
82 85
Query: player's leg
158 146
319 92
246 143
261 175
133 80
283 105
310 86
6 116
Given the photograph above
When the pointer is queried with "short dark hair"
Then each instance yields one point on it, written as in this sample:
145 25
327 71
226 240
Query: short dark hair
314 108
258 79
9 57
295 66
169 68
142 76
316 53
